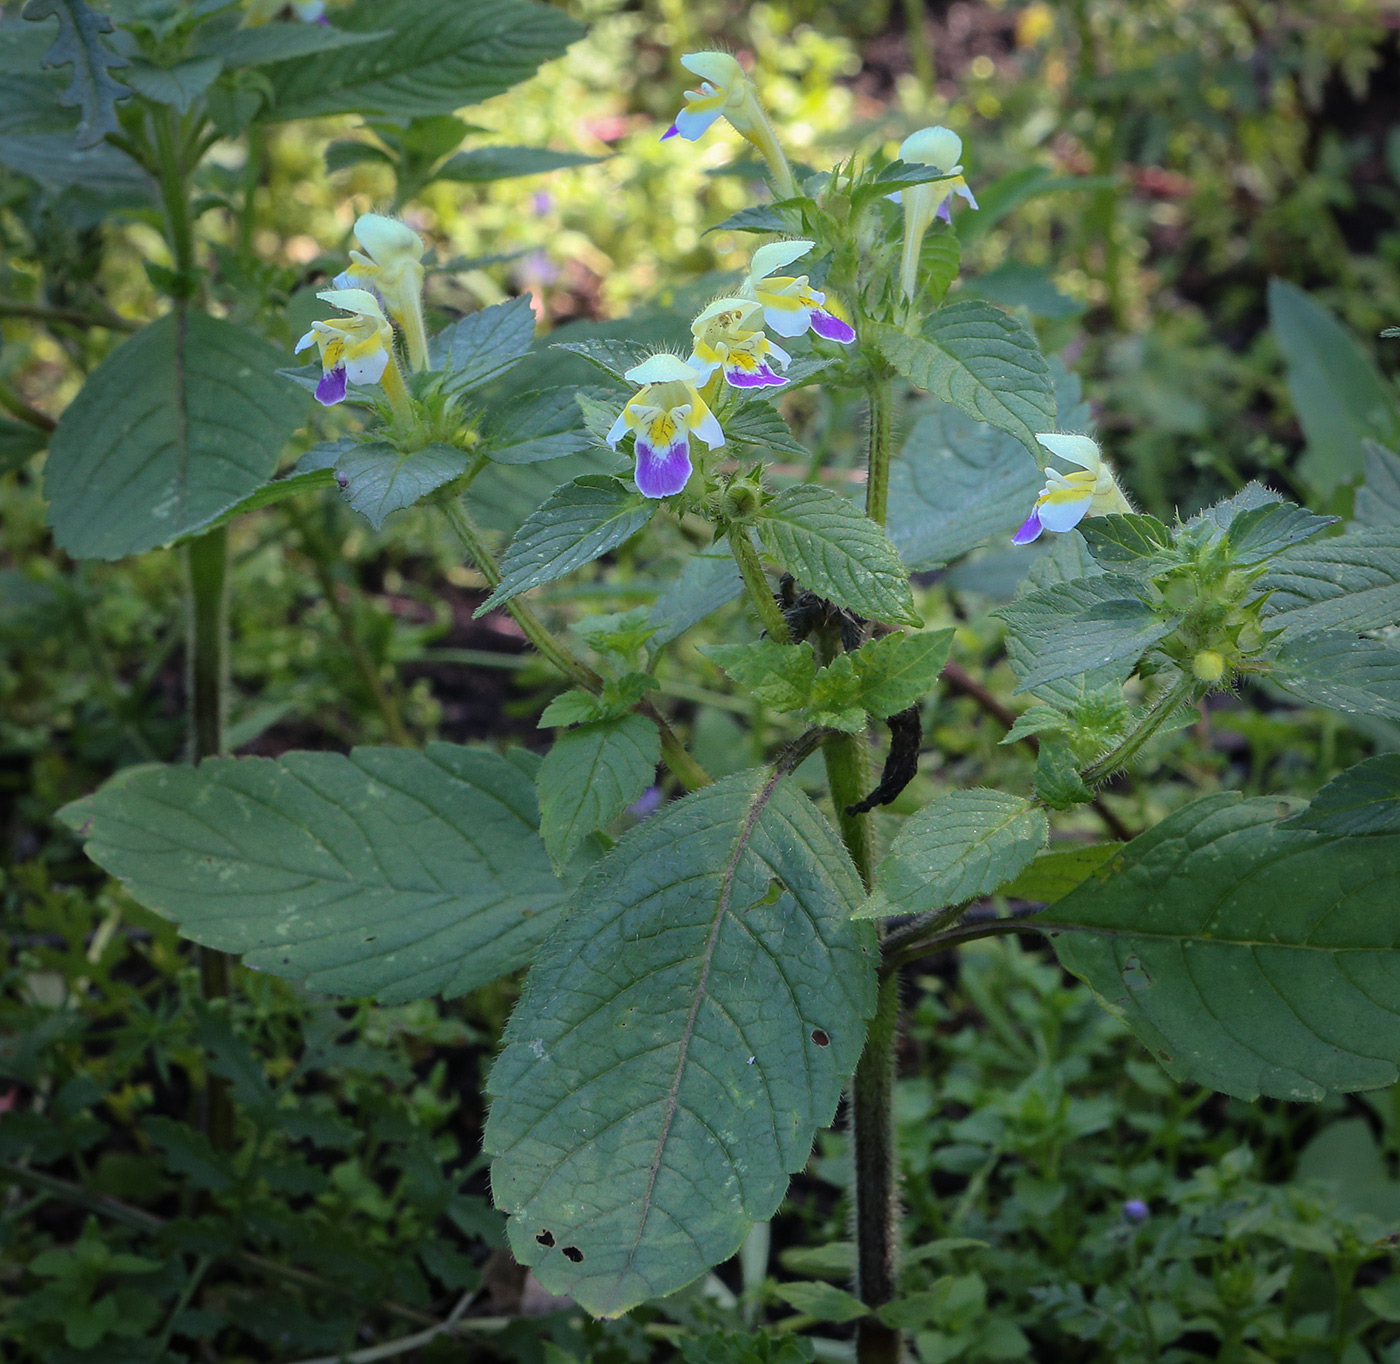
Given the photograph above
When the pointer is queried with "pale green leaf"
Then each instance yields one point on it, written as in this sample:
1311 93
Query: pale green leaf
276 42
1053 874
178 86
580 521
778 675
482 164
1258 535
983 361
590 776
1336 669
680 1039
94 91
707 581
899 670
1249 957
1127 539
1378 498
436 59
483 344
827 544
1221 515
612 355
377 480
1339 395
1350 582
1364 799
959 846
535 426
760 426
389 872
178 424
823 1301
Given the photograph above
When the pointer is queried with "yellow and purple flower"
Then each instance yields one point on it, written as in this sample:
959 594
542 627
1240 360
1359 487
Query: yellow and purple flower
790 305
355 349
391 268
665 412
1066 499
727 338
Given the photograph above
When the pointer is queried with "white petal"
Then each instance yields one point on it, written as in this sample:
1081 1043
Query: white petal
745 307
368 369
387 238
308 340
354 301
703 368
1063 516
709 430
938 147
776 255
718 67
618 429
660 369
693 126
779 354
788 322
1078 450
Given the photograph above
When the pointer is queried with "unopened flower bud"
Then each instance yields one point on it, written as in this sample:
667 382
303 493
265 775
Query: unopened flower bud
1208 666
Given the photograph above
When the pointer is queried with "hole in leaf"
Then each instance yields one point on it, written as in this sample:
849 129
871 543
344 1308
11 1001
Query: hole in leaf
573 1254
821 1037
545 1238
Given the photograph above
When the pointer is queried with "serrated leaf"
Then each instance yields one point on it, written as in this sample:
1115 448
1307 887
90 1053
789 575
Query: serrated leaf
828 545
613 356
959 846
1257 535
1220 516
343 155
899 670
546 424
178 86
277 42
1350 582
678 1042
835 702
580 521
590 776
940 259
437 58
706 582
1125 539
1332 668
1364 799
1087 626
824 1301
760 426
305 867
189 1152
178 424
505 495
483 164
94 91
483 344
378 480
778 675
1339 395
983 361
784 218
1248 956
1378 498
279 490
1053 874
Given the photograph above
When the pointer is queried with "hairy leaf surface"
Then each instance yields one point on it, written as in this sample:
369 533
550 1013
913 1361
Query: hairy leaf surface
1364 799
1378 498
679 1041
380 480
1339 670
534 427
1351 582
483 344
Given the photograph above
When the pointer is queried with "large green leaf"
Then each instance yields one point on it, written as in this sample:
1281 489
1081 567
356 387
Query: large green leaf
1378 498
484 344
680 1039
79 44
1088 625
389 872
1350 582
534 427
378 480
178 85
828 545
959 846
1339 670
482 164
981 360
706 582
178 424
580 521
1339 395
1364 799
1248 956
276 42
590 776
438 57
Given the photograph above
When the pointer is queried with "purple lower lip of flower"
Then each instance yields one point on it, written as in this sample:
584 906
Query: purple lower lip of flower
331 389
670 132
832 327
945 210
646 804
1028 532
665 473
758 378
1135 1211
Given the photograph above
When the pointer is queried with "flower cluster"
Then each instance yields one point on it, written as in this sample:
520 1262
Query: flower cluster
1066 499
385 278
728 343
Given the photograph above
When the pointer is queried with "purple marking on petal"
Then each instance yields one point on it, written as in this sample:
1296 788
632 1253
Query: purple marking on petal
754 378
832 327
945 210
670 132
331 389
648 803
664 474
1030 531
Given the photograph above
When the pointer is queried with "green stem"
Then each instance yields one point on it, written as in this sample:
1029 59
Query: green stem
1125 752
765 604
847 779
920 46
399 400
877 486
17 407
174 196
206 561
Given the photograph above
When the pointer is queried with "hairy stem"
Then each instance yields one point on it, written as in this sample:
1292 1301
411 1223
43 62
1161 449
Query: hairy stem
769 612
399 400
206 561
1122 754
17 407
877 486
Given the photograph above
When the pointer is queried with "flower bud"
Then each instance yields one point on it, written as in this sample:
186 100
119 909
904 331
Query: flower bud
1208 666
741 501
